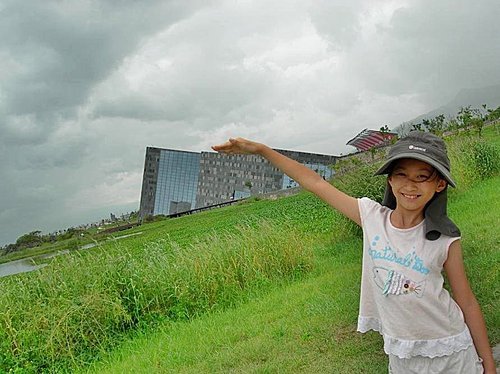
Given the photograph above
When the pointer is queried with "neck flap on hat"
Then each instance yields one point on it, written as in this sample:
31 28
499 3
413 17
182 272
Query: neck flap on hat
437 221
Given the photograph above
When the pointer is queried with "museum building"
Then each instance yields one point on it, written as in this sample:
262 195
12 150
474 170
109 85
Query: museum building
177 181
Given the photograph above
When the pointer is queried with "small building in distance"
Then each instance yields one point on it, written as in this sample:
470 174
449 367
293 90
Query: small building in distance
177 181
368 139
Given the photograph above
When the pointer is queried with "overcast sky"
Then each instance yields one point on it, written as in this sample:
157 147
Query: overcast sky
85 86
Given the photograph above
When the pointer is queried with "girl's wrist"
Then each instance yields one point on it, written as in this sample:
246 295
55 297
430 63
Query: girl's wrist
489 367
260 149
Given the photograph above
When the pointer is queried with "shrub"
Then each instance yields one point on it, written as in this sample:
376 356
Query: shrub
360 182
473 159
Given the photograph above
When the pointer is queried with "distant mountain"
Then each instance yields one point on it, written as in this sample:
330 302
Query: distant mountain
474 97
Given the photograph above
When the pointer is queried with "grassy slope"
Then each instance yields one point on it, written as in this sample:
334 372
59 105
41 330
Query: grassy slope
307 326
291 329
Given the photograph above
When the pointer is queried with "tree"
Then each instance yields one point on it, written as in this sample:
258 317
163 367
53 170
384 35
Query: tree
385 129
9 248
435 125
30 240
493 114
417 127
452 125
471 118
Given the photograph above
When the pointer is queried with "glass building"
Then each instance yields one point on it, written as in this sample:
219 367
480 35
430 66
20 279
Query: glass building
178 181
170 181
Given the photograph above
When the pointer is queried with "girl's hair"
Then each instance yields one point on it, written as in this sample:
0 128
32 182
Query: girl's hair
435 173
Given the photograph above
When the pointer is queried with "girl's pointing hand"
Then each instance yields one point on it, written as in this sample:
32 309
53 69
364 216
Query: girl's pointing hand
238 146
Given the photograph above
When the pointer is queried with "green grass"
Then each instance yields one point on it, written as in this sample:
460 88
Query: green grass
309 325
85 302
264 286
492 133
37 251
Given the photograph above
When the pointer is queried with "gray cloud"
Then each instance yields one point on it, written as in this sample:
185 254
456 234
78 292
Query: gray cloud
56 52
433 48
86 86
337 21
53 55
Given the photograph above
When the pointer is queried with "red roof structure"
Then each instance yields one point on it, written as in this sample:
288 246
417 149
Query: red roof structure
368 139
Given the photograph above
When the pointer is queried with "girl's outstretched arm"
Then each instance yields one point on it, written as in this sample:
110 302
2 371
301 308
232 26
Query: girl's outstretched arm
463 295
307 178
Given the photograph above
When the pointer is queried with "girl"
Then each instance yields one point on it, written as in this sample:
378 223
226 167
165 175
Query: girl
408 241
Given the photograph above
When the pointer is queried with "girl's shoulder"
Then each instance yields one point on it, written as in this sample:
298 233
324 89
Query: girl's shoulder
371 208
367 203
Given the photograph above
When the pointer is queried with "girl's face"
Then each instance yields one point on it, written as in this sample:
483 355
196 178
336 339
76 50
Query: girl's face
414 183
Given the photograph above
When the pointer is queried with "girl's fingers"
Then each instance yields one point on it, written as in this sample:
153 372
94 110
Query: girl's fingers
221 146
233 146
225 146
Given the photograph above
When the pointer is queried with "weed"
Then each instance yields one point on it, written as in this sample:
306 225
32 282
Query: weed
473 159
361 182
86 302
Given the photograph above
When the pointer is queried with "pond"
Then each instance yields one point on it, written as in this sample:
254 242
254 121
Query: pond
19 266
30 263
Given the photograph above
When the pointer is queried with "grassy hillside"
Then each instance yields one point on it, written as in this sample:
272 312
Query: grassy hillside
264 286
309 325
83 304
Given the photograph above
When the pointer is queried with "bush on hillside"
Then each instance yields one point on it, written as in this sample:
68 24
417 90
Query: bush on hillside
357 180
360 182
473 159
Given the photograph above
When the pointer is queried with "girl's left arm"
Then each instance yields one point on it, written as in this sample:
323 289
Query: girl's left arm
463 295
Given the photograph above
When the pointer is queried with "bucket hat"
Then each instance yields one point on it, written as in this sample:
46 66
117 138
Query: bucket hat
422 146
431 149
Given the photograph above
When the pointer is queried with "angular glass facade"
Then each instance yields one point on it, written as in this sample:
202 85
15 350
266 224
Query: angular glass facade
177 181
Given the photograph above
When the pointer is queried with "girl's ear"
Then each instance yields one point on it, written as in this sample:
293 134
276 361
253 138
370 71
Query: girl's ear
441 185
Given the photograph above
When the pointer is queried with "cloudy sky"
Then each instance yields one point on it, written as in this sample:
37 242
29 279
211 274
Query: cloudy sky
85 86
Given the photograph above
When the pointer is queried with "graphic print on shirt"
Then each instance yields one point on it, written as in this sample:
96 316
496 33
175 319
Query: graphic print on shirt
392 282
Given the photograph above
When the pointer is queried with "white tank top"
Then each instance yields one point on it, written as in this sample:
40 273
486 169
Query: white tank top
402 294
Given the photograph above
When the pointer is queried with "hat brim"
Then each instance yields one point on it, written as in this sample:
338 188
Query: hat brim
442 170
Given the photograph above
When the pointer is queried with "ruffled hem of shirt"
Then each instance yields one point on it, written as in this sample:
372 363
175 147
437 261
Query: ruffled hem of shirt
410 348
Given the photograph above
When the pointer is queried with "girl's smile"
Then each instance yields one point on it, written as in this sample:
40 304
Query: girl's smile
411 197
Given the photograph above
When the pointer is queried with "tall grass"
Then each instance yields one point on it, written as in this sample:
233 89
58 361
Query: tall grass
361 182
81 306
65 315
473 159
309 326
